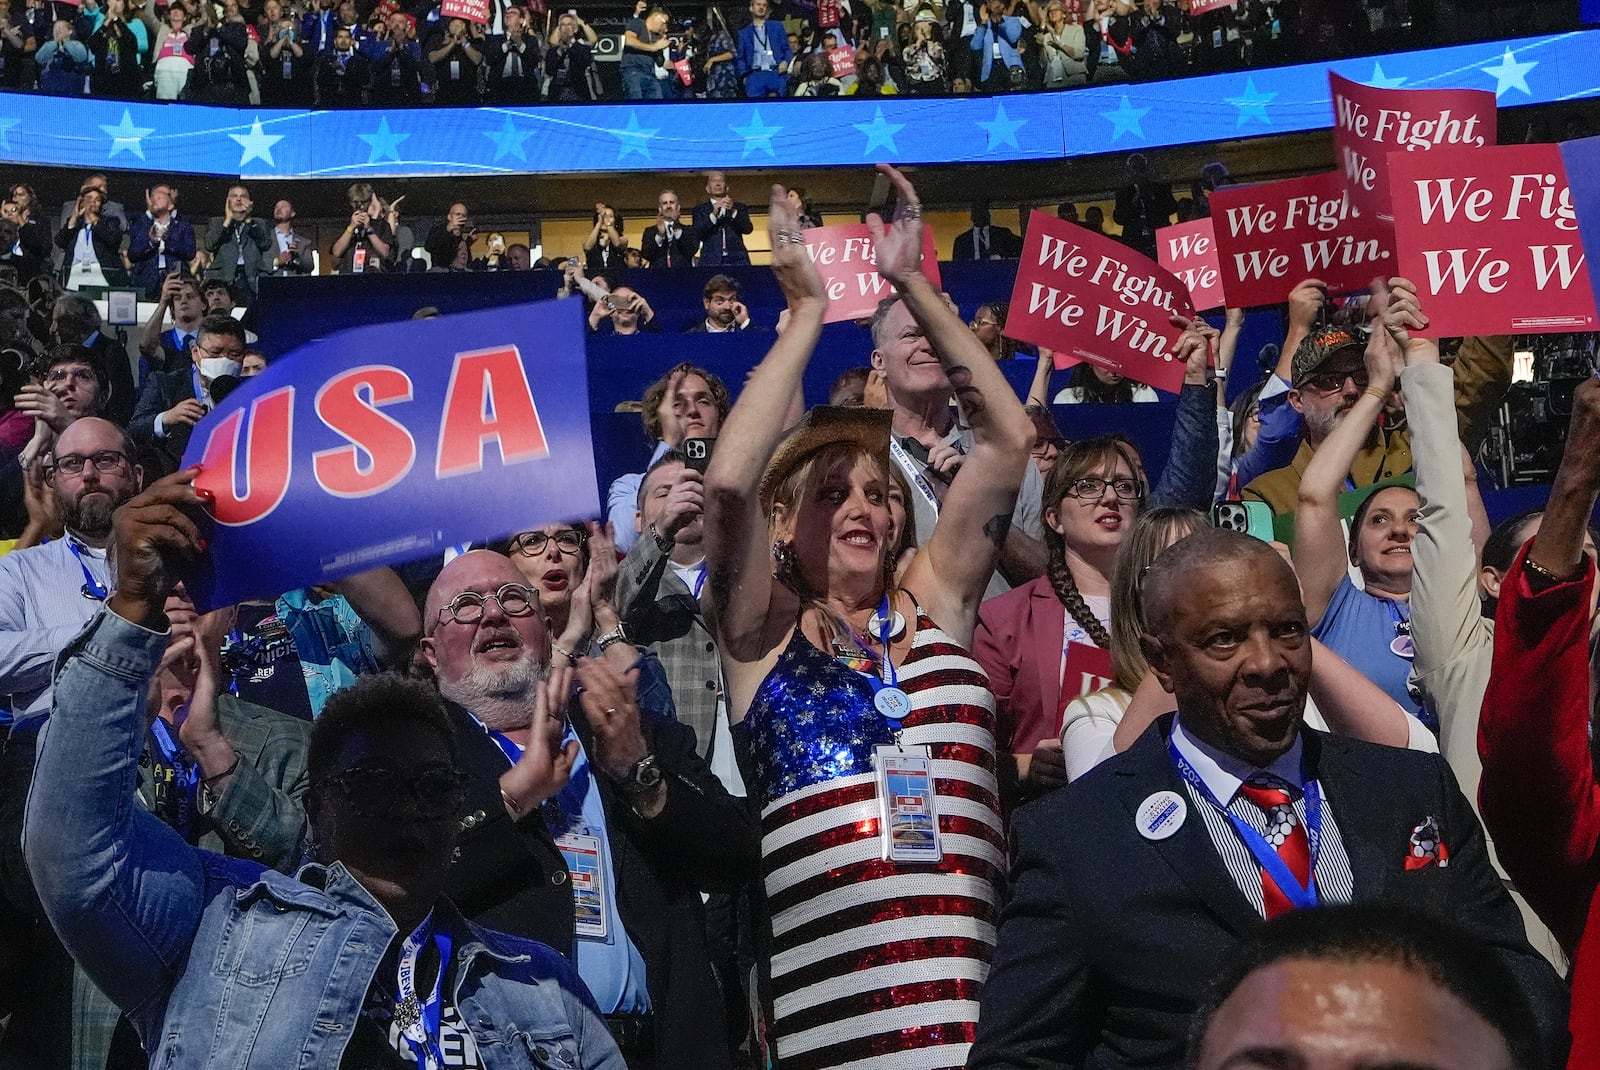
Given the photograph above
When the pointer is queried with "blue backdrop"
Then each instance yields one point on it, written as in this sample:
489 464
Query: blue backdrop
262 143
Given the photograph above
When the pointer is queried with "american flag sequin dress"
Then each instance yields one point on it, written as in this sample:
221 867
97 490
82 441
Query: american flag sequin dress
874 965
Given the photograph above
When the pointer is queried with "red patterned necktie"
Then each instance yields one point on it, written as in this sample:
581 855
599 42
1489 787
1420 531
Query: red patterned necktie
1287 836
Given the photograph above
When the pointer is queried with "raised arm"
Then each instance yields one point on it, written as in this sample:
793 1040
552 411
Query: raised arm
741 584
952 571
1446 615
1320 554
123 891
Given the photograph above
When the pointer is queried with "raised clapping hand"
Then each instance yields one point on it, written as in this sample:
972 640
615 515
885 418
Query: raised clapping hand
899 243
791 263
545 765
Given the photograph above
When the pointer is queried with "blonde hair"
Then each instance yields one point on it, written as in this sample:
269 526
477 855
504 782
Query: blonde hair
1152 532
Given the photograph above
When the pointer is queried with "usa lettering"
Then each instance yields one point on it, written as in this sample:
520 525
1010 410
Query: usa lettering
248 461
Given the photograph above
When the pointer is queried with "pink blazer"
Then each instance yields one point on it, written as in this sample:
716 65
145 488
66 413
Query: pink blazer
1018 643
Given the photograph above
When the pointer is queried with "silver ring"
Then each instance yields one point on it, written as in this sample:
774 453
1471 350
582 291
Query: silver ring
913 211
791 237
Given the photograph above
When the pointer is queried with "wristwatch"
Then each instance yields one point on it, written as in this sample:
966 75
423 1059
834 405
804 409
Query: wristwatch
664 543
615 635
643 779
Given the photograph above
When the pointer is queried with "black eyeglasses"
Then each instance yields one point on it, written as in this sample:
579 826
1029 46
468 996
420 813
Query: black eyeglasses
1093 489
514 600
1043 446
373 791
533 543
1333 382
73 463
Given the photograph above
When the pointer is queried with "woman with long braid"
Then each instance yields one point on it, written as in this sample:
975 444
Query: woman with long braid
1027 637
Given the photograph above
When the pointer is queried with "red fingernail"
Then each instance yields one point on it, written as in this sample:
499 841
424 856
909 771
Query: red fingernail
203 545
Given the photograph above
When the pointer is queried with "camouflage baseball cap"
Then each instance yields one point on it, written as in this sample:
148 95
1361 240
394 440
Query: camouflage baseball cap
1315 349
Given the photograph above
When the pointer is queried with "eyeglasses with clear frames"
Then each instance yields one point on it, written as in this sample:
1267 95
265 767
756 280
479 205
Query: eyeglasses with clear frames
73 463
1093 489
514 600
533 543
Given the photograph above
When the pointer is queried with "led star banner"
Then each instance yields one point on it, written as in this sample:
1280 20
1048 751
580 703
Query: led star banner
1273 235
1490 237
848 263
390 443
1189 251
1088 297
1370 123
625 136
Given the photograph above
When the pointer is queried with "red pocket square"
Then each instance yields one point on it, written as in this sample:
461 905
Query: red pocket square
1427 847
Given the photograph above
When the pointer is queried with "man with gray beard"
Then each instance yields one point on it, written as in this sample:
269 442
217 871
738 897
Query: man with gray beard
49 592
1328 377
593 827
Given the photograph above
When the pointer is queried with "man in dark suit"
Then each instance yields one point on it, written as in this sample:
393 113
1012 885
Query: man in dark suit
720 224
239 246
986 241
1131 884
174 400
608 865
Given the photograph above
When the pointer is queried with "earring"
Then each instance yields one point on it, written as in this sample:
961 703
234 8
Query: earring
784 562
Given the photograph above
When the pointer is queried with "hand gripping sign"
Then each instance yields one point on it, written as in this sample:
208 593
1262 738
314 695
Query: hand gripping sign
1091 298
389 443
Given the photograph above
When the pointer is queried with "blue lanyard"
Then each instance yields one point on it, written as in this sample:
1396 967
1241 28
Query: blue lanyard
1302 897
510 749
92 588
891 678
184 770
699 582
426 1048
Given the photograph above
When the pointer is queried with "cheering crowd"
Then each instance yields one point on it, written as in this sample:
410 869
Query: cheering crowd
344 53
907 731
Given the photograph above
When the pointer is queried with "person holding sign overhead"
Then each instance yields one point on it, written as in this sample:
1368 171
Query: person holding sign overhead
866 724
1130 884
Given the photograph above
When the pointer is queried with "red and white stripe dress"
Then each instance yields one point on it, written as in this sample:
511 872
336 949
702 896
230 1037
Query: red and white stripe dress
874 965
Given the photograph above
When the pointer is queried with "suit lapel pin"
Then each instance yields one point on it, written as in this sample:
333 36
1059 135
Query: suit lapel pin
1160 815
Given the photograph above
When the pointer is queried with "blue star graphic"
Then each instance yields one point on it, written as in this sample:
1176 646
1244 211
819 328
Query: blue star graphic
6 126
1002 130
1126 119
1381 81
1253 105
125 137
508 141
634 138
257 144
1510 74
879 134
384 143
756 134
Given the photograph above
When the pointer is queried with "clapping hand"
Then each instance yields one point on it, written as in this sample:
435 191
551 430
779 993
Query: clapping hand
899 242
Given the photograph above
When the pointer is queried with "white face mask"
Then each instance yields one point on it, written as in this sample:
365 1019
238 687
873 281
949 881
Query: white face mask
211 367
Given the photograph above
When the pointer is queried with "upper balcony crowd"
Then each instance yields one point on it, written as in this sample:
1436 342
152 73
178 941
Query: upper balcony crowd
345 53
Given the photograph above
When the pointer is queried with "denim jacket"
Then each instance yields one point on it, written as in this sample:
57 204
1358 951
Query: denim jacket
198 948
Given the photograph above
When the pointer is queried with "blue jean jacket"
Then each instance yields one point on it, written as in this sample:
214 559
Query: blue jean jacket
198 948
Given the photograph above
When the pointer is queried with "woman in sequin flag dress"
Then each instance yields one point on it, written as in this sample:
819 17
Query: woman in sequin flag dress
868 726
